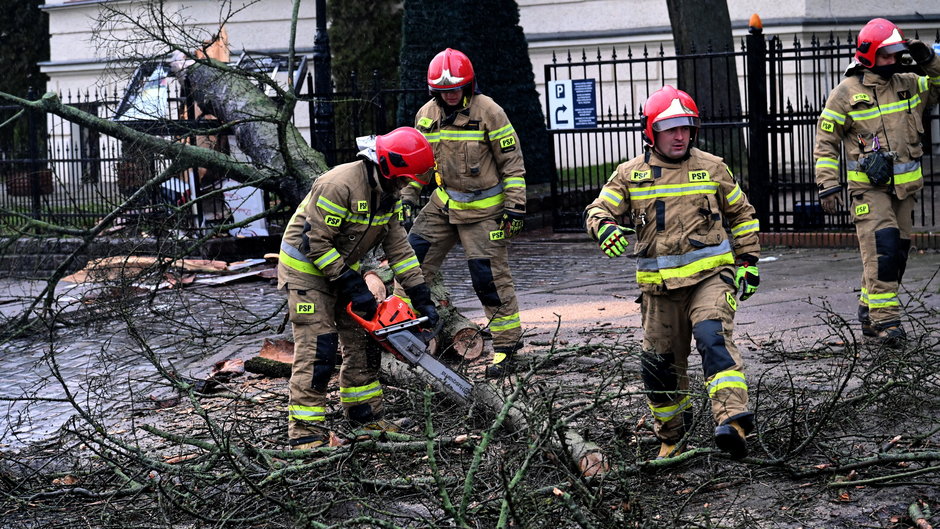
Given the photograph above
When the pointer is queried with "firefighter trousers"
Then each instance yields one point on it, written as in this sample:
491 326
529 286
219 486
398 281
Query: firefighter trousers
433 237
671 320
883 224
322 329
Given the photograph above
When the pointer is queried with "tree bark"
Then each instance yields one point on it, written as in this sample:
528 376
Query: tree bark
261 127
699 26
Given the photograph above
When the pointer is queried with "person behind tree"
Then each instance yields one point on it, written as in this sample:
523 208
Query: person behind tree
480 197
697 248
349 210
876 114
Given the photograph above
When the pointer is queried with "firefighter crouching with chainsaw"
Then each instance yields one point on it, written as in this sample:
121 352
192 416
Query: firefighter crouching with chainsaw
480 197
349 210
876 113
682 203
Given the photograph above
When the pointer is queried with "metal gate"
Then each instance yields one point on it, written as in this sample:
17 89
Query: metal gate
783 89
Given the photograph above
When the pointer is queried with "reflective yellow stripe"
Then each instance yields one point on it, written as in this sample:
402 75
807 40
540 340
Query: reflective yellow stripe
611 196
908 177
666 413
301 266
462 135
504 323
857 176
327 258
432 137
306 413
675 190
724 380
899 106
922 84
744 228
405 265
360 393
332 207
502 132
688 270
835 116
827 163
734 195
513 181
888 299
484 203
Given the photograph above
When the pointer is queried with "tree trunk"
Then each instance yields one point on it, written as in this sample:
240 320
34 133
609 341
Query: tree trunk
270 142
699 26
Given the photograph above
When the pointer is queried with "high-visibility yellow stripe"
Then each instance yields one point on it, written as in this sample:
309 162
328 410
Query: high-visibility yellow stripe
888 299
502 132
689 270
835 116
504 323
611 196
827 163
674 190
306 413
513 181
744 228
476 204
734 195
724 380
405 265
667 413
882 110
332 207
360 393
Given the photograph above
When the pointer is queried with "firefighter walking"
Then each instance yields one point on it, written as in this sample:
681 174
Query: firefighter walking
876 114
480 196
349 210
697 248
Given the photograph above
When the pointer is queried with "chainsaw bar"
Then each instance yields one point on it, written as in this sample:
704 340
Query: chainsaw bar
415 351
399 326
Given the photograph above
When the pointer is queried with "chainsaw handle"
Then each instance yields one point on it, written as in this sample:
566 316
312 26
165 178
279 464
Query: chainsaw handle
369 325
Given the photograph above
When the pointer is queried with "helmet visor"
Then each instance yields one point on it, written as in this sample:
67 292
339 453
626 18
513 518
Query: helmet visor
892 48
678 121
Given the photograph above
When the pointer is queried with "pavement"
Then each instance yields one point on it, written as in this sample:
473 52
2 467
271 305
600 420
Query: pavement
569 292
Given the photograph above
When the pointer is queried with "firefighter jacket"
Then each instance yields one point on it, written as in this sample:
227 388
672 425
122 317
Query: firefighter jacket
344 215
691 218
865 106
480 165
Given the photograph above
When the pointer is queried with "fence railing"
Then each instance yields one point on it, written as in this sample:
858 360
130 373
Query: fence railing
766 138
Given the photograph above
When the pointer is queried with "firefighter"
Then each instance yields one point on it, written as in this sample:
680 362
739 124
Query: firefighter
480 197
349 210
697 249
876 114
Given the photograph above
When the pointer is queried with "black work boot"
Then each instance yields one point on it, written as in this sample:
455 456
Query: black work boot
317 438
729 438
890 334
868 330
504 362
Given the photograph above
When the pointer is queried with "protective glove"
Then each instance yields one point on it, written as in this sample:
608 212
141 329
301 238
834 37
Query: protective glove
353 286
612 238
748 275
920 52
421 300
832 202
408 210
511 223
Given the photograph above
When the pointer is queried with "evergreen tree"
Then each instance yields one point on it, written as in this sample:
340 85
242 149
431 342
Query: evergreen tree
24 42
488 32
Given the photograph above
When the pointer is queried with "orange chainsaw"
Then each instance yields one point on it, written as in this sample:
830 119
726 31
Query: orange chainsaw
395 326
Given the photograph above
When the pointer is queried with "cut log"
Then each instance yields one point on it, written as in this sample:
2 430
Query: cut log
267 367
458 335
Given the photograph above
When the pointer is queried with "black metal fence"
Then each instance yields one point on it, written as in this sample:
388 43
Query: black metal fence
766 137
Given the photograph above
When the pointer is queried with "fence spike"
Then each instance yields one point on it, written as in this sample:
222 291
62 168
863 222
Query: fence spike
598 53
554 57
613 53
583 55
629 52
569 56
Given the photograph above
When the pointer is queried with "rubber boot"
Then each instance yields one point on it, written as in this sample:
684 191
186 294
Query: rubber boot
729 438
890 335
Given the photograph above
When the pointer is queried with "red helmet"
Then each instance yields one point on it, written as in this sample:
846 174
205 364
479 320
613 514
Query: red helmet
878 34
404 152
668 108
448 70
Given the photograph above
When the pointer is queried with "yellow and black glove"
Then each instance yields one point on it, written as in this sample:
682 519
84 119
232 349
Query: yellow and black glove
612 238
512 223
747 277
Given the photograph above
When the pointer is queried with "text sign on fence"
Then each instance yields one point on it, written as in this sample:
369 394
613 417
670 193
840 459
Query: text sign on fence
572 104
